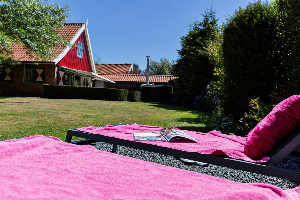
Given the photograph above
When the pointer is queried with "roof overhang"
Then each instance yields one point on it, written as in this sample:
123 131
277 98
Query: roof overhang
84 73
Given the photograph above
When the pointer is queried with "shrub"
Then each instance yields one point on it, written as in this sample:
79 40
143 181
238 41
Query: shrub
121 95
258 110
203 102
95 93
134 96
289 43
224 124
207 100
193 68
249 59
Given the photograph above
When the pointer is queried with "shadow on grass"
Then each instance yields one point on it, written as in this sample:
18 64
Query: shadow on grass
200 121
13 102
173 107
4 97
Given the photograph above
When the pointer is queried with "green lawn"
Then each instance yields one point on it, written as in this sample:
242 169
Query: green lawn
21 117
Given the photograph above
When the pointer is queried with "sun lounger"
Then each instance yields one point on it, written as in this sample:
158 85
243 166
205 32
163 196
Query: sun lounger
39 167
276 154
274 138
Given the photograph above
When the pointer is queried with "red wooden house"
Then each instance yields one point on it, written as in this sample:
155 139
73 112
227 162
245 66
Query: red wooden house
70 66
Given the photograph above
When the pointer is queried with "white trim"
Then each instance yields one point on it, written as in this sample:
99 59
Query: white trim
95 75
131 67
89 47
65 51
84 73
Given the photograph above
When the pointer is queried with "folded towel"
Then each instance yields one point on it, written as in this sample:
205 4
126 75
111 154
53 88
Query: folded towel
213 142
40 167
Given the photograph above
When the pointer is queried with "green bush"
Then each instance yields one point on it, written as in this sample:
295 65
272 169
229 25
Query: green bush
134 96
193 68
249 43
258 110
110 94
289 43
224 124
122 95
208 100
95 93
203 102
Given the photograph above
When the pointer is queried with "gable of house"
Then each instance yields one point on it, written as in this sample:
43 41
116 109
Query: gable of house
77 61
78 58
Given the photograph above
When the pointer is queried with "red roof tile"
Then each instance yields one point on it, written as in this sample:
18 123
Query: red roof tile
120 73
109 69
139 78
69 31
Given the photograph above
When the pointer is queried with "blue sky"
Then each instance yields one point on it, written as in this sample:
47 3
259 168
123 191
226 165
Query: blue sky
126 31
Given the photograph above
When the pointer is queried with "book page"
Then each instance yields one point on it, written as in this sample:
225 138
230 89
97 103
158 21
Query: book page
173 134
147 136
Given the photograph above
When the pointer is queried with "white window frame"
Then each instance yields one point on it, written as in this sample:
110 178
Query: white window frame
80 49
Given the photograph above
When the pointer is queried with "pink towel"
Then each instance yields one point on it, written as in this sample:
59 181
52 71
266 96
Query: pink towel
214 142
40 167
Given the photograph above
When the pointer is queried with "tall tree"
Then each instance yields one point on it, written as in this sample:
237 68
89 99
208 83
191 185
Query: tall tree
249 50
33 24
289 43
135 66
216 86
193 68
160 68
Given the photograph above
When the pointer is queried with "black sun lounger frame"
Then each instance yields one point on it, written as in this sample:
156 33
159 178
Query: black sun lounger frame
284 148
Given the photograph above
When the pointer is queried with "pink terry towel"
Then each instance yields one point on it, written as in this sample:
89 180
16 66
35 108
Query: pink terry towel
40 167
214 142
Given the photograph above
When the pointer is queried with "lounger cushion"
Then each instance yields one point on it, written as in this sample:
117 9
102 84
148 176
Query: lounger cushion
282 120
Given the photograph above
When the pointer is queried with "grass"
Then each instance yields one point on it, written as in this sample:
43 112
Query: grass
25 116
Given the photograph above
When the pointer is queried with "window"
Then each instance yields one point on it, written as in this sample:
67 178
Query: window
80 50
29 73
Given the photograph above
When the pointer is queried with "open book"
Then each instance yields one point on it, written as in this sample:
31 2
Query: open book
171 134
167 134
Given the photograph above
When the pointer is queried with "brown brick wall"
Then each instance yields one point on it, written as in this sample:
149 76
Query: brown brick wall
17 87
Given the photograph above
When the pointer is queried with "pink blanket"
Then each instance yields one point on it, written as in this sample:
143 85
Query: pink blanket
40 167
214 142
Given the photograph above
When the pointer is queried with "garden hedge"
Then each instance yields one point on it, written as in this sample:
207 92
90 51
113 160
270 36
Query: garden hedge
94 93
